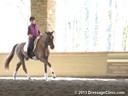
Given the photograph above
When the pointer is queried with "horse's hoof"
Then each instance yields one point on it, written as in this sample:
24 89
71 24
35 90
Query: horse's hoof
14 78
46 79
54 77
29 78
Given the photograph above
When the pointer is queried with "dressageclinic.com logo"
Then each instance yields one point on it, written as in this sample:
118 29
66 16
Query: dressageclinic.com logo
98 93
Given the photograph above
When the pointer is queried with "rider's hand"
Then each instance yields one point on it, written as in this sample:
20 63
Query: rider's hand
30 35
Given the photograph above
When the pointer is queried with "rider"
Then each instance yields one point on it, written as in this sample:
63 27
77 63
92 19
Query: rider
33 33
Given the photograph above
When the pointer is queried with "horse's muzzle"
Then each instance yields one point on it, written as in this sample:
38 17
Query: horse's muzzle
52 46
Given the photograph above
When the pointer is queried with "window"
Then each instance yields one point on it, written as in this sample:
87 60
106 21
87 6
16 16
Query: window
91 25
14 21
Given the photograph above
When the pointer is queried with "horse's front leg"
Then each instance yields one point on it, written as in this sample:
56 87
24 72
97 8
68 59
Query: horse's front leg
45 72
53 73
45 61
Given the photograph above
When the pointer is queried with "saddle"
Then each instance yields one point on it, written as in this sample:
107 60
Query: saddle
35 44
34 47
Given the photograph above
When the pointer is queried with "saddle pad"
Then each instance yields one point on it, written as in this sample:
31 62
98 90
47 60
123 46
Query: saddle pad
35 44
26 46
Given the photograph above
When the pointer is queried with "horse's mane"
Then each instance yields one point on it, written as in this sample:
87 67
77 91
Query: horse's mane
44 36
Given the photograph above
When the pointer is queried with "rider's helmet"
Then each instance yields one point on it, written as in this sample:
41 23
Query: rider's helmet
32 18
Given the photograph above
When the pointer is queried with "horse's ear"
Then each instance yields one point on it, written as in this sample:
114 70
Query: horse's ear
52 32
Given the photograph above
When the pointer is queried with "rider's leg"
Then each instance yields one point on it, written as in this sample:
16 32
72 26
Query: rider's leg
30 47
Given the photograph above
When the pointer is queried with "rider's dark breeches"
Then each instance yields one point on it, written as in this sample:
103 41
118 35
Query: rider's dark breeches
30 47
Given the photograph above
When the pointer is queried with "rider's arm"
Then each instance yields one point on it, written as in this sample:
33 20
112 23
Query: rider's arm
29 32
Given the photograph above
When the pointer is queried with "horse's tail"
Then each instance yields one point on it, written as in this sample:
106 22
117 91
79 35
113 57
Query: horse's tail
10 56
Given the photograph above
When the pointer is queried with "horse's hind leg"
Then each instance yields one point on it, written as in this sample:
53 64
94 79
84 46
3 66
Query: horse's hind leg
25 70
16 70
21 57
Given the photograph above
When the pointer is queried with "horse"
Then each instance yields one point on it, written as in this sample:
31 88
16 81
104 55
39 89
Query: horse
41 52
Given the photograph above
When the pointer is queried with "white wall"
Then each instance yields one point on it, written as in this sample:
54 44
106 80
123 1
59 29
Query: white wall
14 16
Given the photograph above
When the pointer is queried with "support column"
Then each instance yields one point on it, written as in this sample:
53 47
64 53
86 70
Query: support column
44 11
51 4
39 10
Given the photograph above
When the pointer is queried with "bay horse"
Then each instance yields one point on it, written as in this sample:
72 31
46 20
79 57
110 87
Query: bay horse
41 52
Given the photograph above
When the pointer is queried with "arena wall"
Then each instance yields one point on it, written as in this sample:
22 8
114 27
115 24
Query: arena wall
88 64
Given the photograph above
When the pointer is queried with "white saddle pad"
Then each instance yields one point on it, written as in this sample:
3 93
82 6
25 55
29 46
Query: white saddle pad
26 46
35 44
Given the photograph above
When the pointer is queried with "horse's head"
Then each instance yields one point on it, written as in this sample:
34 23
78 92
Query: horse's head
49 39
